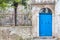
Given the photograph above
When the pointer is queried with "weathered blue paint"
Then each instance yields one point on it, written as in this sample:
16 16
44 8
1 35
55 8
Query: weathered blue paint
45 24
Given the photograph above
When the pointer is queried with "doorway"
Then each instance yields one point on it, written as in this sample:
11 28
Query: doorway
45 22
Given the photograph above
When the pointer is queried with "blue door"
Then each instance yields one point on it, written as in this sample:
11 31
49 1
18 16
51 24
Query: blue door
45 23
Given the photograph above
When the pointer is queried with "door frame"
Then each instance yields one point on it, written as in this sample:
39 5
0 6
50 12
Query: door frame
38 24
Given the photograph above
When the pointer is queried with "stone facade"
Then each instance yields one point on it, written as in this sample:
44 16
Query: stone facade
14 33
36 7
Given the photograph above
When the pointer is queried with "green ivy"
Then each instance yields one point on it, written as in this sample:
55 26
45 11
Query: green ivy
5 3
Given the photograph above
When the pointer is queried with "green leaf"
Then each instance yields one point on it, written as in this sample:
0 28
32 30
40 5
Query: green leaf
5 3
18 0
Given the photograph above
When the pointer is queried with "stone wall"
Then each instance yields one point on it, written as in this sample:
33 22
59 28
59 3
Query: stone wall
15 33
35 18
57 24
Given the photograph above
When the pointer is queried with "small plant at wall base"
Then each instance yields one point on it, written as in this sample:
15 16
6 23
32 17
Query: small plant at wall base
9 3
